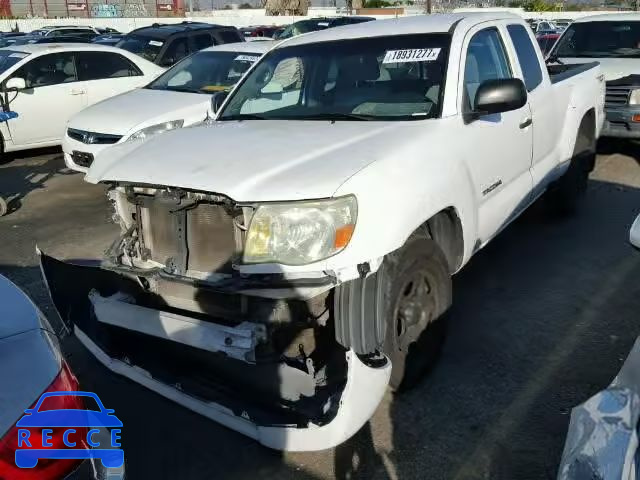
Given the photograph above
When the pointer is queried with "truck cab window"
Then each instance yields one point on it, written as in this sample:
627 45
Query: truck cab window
486 60
527 56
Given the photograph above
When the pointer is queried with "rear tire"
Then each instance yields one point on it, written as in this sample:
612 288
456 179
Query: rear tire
418 297
564 195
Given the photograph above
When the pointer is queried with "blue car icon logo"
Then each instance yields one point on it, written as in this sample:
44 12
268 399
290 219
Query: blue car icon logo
36 433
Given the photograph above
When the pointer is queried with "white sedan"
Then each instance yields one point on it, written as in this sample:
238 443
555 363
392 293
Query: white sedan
178 98
46 84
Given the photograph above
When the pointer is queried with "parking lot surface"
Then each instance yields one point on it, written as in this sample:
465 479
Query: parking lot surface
542 319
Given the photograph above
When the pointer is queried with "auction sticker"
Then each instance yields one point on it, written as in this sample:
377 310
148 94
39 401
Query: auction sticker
247 58
411 55
155 43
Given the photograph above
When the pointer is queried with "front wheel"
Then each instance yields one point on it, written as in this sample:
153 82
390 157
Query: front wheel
418 297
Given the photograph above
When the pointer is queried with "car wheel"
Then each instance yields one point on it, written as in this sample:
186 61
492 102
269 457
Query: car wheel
4 208
418 297
563 196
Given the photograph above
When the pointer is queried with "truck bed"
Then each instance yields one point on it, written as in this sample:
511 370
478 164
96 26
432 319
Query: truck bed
561 71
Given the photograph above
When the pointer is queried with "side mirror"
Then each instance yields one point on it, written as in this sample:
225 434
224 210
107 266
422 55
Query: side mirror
634 233
217 99
497 96
14 84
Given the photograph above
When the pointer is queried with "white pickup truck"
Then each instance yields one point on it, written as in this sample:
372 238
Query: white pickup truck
279 268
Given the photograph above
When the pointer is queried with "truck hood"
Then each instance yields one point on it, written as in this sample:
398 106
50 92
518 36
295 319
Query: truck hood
259 160
612 68
140 108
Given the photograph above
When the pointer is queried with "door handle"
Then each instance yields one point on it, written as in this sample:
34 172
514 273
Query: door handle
78 91
525 123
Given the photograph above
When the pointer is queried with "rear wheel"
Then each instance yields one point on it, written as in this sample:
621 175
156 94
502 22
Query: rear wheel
564 196
418 296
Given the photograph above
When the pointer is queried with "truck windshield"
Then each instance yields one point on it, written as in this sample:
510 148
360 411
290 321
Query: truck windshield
147 48
600 40
380 78
206 72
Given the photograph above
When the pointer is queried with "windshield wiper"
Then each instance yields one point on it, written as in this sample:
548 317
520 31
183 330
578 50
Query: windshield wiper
244 116
334 116
181 89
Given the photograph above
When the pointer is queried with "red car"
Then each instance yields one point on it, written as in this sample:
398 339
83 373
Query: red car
546 41
260 31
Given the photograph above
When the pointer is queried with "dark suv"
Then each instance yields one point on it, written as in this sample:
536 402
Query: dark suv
165 44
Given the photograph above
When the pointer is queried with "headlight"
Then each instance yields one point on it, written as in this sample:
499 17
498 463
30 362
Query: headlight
298 233
155 129
634 97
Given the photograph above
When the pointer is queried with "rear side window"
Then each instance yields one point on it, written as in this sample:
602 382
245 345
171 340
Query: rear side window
202 40
526 56
229 36
101 65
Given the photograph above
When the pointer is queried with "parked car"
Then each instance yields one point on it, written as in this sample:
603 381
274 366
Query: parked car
260 31
546 41
561 25
180 97
166 44
545 26
613 41
31 39
107 30
32 364
10 38
279 268
321 23
11 34
48 83
78 30
111 39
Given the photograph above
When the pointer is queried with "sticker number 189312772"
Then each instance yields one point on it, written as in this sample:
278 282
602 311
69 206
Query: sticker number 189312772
411 55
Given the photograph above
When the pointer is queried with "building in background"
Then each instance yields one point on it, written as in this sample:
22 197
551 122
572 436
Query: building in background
90 8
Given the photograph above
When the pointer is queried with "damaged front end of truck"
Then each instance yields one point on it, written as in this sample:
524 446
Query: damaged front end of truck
289 358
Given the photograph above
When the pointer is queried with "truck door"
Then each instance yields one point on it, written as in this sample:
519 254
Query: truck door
548 115
497 147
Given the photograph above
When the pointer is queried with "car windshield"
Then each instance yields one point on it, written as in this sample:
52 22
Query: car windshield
206 72
8 58
304 26
5 42
381 78
147 48
600 40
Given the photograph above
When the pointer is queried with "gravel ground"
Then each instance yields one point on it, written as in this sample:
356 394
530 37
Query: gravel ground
542 319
